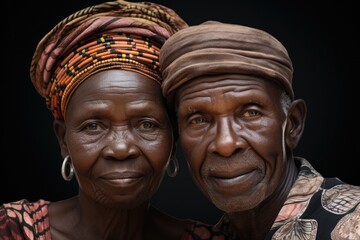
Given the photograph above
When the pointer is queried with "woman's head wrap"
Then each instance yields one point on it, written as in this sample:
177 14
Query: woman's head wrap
213 48
115 34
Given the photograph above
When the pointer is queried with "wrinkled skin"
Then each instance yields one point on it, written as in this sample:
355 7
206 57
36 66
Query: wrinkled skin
119 138
235 135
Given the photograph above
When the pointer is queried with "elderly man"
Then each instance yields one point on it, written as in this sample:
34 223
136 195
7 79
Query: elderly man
239 122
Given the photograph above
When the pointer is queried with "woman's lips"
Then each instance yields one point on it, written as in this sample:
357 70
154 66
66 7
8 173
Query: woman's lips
122 178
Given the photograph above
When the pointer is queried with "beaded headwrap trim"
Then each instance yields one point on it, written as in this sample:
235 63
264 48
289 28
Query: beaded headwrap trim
115 34
122 51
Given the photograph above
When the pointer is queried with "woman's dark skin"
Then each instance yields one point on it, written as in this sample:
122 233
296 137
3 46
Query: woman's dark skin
119 138
235 132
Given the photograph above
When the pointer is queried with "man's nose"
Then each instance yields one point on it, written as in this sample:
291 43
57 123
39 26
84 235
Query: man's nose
227 139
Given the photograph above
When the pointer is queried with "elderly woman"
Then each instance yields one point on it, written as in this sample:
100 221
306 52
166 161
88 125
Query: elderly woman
98 71
239 122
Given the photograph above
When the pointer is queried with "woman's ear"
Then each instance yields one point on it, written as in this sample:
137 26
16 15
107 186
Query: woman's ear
60 132
295 123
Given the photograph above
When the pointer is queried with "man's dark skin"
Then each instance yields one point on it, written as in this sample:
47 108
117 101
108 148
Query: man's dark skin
239 123
237 136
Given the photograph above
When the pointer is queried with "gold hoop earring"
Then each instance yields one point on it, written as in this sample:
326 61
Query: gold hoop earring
67 162
172 172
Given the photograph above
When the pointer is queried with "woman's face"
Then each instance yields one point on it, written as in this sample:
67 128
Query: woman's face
119 137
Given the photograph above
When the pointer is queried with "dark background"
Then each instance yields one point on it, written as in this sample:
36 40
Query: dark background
321 42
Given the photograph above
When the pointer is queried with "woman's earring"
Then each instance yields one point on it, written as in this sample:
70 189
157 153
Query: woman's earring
172 171
65 163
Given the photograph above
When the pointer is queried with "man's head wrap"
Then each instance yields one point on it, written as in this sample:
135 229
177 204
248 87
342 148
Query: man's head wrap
214 48
116 34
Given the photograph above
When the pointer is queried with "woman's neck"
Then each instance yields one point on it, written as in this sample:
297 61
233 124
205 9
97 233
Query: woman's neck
83 218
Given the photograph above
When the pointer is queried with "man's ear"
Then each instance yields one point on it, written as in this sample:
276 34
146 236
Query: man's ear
60 132
295 123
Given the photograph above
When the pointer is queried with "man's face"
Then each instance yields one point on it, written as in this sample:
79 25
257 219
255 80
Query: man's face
232 135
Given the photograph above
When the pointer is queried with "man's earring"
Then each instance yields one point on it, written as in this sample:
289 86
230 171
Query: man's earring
172 171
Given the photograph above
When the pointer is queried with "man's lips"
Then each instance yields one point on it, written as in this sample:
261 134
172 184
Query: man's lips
232 177
230 172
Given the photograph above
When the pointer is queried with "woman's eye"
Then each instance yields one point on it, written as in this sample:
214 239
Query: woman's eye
147 125
251 113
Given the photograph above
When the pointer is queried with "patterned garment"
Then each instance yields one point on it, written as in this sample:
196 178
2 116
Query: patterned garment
116 34
316 208
24 220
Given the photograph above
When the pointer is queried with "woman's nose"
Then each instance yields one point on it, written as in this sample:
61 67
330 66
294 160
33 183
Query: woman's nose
120 145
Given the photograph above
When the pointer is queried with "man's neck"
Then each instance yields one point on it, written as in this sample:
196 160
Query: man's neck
256 223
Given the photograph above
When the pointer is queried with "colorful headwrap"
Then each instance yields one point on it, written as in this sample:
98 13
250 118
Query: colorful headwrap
116 34
213 48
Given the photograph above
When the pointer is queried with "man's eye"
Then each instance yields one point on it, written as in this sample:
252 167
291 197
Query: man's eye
198 120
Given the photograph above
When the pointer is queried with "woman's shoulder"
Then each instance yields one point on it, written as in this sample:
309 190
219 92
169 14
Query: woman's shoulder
25 219
24 208
25 203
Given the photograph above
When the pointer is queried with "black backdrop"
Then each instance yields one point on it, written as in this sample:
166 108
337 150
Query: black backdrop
321 42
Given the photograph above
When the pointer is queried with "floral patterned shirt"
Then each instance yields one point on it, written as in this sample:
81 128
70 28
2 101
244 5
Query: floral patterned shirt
316 208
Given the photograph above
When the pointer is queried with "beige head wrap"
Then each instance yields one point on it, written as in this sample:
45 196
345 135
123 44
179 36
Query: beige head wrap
220 48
